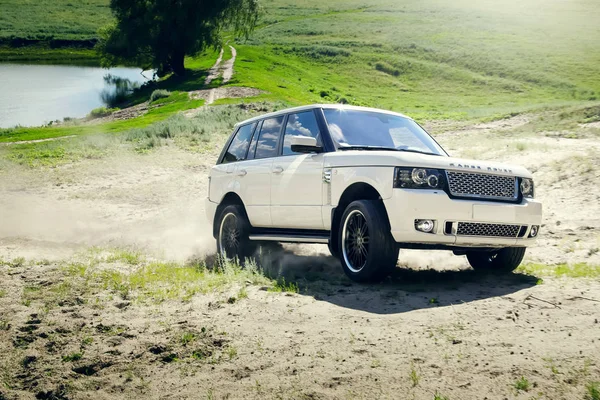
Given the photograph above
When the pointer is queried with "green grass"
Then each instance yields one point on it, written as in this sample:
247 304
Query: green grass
53 19
95 278
593 391
578 270
522 384
281 286
414 376
72 357
431 59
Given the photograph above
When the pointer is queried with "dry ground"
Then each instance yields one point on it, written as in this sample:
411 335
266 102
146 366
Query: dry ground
89 308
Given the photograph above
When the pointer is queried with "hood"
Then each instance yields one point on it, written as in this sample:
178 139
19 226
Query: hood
365 158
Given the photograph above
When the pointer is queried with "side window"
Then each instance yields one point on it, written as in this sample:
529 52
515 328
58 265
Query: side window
301 124
268 138
239 145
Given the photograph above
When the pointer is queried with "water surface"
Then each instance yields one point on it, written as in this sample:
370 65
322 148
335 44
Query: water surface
32 95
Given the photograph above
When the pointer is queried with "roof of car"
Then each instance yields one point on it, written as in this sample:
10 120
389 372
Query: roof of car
324 106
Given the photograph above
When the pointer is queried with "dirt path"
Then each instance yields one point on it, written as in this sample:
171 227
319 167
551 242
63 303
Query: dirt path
215 70
228 66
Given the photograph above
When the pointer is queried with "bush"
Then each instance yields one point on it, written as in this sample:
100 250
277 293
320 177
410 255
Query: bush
387 68
319 52
101 112
159 94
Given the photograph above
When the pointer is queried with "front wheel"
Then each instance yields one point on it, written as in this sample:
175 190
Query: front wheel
498 261
368 251
232 235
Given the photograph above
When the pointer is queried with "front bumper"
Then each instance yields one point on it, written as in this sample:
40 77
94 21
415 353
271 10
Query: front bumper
407 205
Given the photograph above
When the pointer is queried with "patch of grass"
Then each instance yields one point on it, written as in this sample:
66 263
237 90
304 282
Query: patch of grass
232 352
128 257
578 270
438 396
3 293
593 391
414 376
281 286
187 338
17 262
160 281
242 293
522 384
4 325
72 357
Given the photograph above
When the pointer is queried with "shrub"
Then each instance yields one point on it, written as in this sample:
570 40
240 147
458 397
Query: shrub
318 52
159 94
101 112
387 68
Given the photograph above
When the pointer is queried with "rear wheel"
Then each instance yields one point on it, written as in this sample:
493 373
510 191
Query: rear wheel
367 250
498 261
232 235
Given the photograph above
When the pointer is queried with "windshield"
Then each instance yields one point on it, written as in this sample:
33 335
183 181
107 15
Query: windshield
364 129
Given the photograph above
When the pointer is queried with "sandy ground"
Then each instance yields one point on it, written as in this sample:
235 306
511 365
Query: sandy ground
435 326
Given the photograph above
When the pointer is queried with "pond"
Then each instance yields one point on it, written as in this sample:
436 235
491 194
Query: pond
32 95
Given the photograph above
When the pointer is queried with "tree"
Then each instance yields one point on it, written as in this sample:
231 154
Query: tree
160 33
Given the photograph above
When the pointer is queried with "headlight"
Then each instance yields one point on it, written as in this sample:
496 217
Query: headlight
418 178
527 187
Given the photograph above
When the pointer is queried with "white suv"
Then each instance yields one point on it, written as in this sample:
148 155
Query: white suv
367 182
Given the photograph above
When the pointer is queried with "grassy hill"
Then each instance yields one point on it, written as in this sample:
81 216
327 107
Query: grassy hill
52 19
429 58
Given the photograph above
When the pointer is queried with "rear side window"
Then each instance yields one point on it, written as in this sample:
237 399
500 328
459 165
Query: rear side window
269 138
239 145
301 124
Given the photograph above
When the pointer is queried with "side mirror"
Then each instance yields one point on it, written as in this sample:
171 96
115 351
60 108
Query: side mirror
305 144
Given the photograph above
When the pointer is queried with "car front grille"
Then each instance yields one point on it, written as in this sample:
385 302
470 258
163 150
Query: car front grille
489 230
486 186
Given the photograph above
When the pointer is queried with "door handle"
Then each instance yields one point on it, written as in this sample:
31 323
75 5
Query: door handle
242 172
278 169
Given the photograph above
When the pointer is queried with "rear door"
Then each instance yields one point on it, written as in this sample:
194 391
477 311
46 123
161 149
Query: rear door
297 179
254 174
223 178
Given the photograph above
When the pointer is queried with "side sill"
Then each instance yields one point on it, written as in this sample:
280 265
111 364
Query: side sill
289 235
291 239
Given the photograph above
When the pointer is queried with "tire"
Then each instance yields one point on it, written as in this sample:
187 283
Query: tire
232 234
371 259
503 260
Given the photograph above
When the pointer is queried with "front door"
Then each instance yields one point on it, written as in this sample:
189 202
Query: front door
297 179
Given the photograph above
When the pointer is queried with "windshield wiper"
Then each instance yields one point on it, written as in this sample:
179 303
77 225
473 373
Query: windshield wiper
419 151
357 147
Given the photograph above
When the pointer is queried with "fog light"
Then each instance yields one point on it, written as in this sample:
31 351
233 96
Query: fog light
424 225
534 231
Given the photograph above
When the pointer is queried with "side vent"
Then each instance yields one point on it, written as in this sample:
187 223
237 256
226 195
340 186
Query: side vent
327 175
